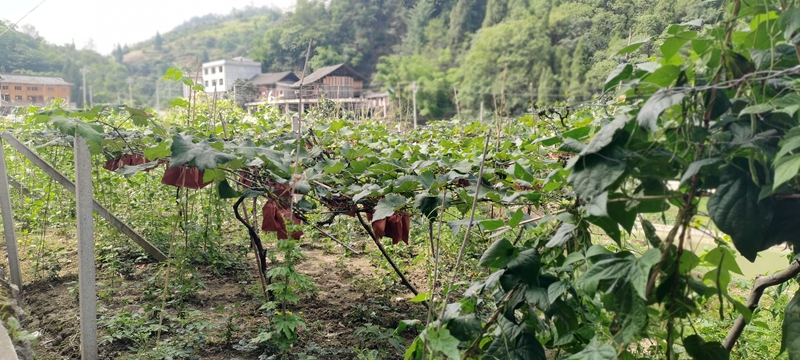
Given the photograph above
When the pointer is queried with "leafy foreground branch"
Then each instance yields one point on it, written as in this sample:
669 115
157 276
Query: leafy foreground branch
761 284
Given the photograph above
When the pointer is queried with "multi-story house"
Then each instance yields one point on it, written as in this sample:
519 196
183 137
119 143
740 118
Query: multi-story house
219 76
21 90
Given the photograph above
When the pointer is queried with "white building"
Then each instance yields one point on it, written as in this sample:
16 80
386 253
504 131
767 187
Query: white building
219 76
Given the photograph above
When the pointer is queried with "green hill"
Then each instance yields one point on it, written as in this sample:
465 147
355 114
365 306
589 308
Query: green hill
500 55
200 39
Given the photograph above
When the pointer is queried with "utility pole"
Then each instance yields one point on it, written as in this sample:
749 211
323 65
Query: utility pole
130 91
91 97
414 90
84 70
158 98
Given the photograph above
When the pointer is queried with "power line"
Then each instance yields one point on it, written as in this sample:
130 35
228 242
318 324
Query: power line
23 17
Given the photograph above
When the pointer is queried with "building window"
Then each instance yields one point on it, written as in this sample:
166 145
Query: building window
5 87
63 89
213 70
18 88
205 71
51 89
17 97
206 83
33 88
220 80
6 97
220 69
213 82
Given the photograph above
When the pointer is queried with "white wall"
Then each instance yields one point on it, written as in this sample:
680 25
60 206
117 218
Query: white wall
239 68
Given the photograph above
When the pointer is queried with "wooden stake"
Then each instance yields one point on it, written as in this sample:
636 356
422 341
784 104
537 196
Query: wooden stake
458 108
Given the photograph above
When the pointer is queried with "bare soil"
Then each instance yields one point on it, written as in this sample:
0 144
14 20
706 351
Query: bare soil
346 297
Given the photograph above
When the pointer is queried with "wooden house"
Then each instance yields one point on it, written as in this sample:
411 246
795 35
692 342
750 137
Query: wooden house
332 82
267 84
339 83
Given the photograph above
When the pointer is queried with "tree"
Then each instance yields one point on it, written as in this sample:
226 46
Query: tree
158 42
495 12
500 63
465 19
578 72
324 56
118 54
243 91
418 18
547 92
434 97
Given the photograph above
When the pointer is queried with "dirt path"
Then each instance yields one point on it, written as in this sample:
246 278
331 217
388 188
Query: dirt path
347 314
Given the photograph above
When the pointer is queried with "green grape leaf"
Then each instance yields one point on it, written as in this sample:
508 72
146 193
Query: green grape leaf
139 117
790 340
497 255
572 146
736 211
663 76
160 151
465 327
515 342
672 45
695 167
562 235
594 173
632 47
200 155
428 205
388 205
623 266
594 351
785 169
71 126
606 134
442 342
699 349
620 73
655 105
225 191
516 218
650 233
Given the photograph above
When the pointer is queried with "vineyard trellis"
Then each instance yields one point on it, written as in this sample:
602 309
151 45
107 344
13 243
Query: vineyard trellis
553 212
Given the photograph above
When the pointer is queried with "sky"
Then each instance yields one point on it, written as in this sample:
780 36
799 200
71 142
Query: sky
110 22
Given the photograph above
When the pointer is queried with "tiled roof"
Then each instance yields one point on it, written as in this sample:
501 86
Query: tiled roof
323 72
273 78
32 79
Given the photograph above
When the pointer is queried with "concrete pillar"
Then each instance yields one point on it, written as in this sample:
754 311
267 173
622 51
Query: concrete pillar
8 222
87 293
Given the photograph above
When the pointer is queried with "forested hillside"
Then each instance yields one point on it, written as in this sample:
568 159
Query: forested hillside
504 54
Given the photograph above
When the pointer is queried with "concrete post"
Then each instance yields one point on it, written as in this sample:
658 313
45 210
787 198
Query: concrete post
8 222
414 89
70 186
87 293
